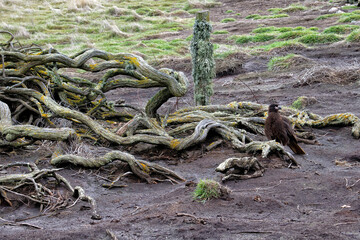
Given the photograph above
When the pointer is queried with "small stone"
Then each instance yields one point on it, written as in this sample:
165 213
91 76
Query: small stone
333 10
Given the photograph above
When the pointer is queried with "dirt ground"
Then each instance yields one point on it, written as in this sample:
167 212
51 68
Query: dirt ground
310 202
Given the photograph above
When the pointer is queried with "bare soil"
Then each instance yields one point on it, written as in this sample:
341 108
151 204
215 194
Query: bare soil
310 202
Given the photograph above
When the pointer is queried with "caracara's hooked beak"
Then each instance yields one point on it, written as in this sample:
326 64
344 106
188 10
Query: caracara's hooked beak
277 107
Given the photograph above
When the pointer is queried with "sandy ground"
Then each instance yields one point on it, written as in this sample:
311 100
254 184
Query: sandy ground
310 202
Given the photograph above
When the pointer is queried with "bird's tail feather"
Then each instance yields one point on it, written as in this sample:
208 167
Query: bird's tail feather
296 148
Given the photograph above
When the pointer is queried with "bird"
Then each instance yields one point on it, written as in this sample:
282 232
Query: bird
279 128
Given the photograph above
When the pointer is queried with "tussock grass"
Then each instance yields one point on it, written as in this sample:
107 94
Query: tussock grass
116 11
325 16
354 37
261 37
292 8
18 31
312 39
221 32
341 29
133 27
302 102
287 62
257 16
75 5
209 189
113 29
323 74
226 20
282 46
202 4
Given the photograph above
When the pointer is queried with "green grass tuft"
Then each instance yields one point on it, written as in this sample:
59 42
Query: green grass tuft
242 39
297 104
349 7
312 39
265 29
341 29
325 16
289 9
281 44
275 10
280 62
354 36
349 18
206 190
293 34
257 16
253 16
221 32
294 8
262 37
226 20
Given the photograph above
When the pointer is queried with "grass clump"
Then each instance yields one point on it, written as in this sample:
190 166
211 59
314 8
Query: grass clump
302 102
291 8
294 8
265 29
341 29
354 36
257 16
287 62
325 16
253 16
208 189
291 44
221 32
283 62
293 34
349 7
275 10
242 39
345 18
226 20
312 39
297 104
191 4
262 37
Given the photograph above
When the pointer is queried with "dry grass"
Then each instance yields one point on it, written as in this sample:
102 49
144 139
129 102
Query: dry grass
291 61
18 31
325 74
75 5
112 28
203 3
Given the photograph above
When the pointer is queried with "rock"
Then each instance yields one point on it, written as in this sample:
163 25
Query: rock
333 10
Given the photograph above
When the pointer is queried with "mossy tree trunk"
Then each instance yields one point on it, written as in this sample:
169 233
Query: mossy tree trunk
202 59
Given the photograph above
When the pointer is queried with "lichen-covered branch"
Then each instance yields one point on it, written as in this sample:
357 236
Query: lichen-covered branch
14 182
140 168
241 168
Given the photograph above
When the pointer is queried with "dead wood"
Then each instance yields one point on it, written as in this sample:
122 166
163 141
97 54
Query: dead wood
14 184
240 168
140 168
39 95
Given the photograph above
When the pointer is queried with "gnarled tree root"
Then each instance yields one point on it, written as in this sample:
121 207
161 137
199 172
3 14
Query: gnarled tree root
241 168
12 183
140 168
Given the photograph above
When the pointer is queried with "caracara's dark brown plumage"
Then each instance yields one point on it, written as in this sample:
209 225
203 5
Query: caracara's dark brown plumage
279 128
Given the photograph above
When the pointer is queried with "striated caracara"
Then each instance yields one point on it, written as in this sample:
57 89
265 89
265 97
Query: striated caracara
279 128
